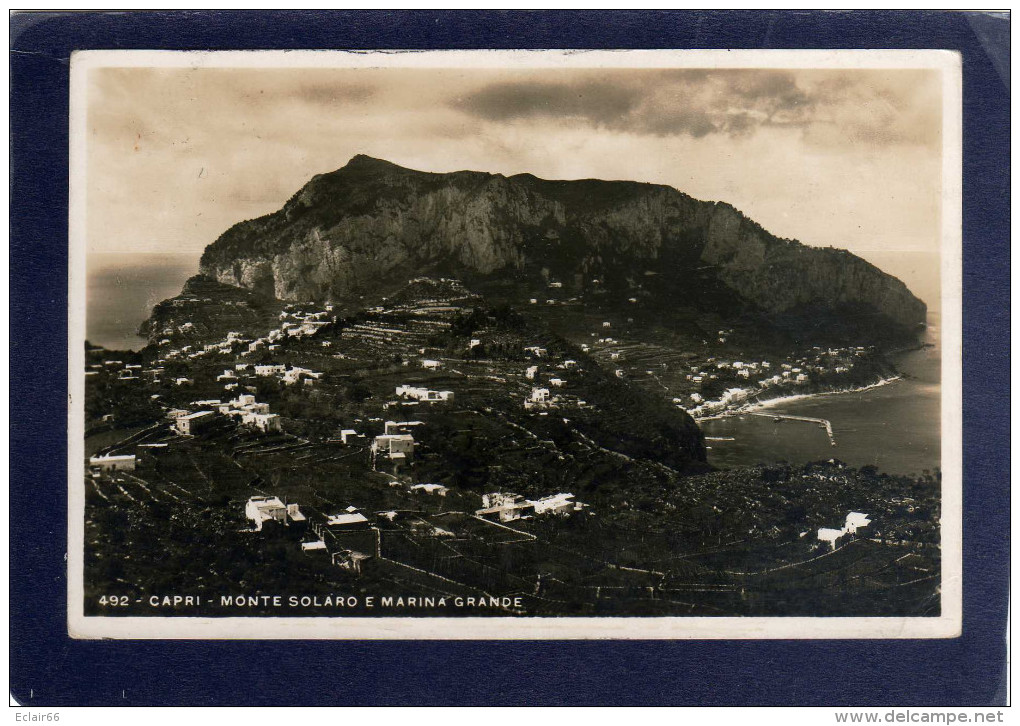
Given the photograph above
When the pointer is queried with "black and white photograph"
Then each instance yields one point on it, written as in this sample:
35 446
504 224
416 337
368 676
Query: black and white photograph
515 344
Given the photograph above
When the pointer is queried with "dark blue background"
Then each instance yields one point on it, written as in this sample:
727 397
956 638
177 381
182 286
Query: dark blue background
59 671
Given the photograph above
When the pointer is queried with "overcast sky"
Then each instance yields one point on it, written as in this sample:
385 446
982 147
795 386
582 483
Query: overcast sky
844 158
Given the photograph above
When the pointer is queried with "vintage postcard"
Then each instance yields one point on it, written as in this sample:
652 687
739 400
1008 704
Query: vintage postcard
515 345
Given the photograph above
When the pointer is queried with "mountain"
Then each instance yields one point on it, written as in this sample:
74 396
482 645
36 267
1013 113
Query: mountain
373 224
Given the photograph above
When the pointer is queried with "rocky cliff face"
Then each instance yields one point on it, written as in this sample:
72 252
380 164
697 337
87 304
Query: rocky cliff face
372 222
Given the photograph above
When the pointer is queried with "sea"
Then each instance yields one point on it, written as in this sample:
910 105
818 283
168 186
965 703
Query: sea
895 426
122 289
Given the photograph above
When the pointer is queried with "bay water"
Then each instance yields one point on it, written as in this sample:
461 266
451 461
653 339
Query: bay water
122 288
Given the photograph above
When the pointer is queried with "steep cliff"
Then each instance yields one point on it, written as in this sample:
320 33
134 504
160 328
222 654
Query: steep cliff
372 222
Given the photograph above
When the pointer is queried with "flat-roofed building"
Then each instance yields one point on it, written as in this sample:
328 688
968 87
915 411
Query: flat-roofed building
265 509
854 521
123 462
562 503
266 422
394 444
825 534
194 423
350 436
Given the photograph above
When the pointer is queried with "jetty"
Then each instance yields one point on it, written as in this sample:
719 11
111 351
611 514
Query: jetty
824 423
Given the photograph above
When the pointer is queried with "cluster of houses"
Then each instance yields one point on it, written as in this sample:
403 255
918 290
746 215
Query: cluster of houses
261 509
757 375
428 489
244 409
730 397
540 396
234 341
425 395
294 323
251 413
507 507
321 533
128 372
396 443
289 376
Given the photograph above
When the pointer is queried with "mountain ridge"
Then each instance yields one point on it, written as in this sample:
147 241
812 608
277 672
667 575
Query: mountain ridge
373 221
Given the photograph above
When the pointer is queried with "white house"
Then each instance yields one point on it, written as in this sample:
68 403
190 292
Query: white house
506 507
531 372
539 395
394 444
854 521
124 462
266 422
350 518
829 535
349 436
423 394
265 509
269 370
556 504
194 423
431 365
296 374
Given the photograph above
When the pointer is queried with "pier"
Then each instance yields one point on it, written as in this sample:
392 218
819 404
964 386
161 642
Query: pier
824 423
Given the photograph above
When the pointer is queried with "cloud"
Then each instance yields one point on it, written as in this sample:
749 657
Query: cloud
828 107
599 103
663 103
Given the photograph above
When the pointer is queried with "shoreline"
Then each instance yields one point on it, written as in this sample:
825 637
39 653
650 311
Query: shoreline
772 402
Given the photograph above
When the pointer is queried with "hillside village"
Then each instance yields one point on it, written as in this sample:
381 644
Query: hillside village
431 443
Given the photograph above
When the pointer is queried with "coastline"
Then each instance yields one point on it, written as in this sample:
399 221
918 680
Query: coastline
779 401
